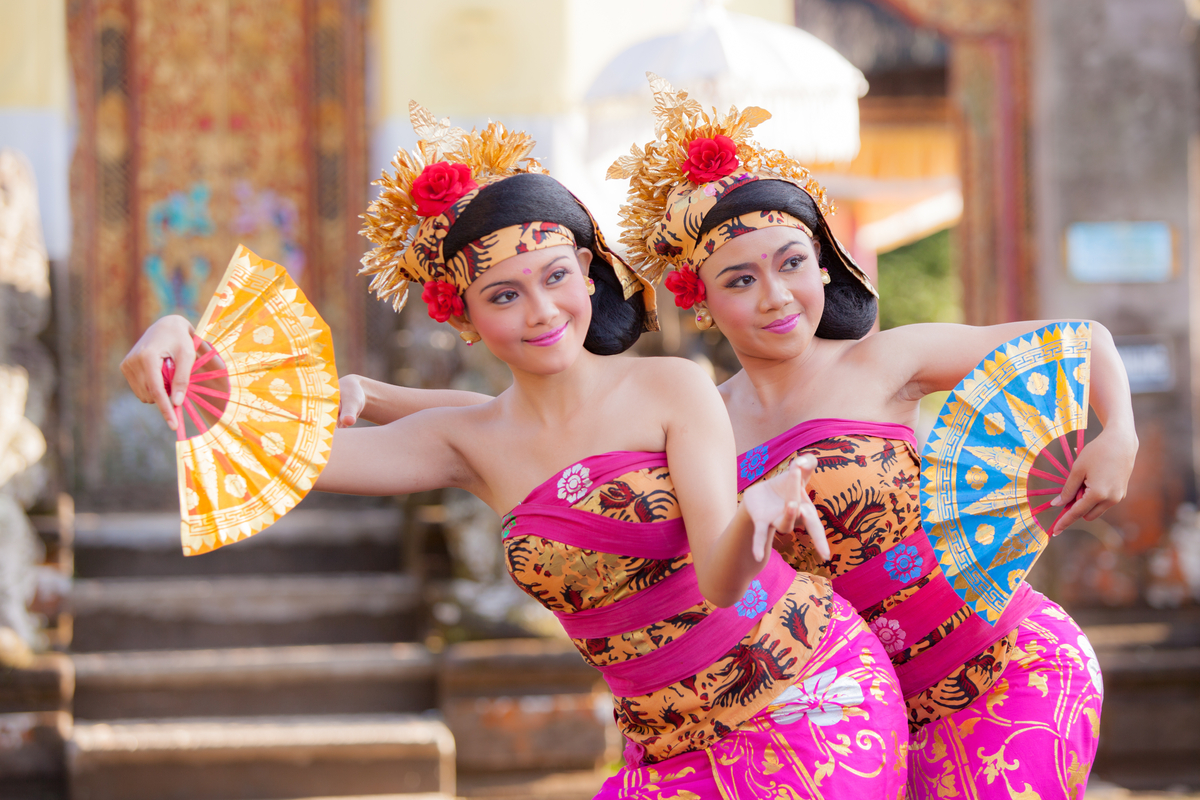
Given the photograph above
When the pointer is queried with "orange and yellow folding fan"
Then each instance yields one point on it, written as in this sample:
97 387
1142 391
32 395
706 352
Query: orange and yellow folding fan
262 401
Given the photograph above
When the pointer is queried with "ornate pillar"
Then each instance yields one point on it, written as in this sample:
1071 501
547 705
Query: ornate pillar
204 124
988 85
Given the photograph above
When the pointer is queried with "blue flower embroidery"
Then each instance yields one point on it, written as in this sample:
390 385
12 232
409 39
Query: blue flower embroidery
753 463
753 602
903 564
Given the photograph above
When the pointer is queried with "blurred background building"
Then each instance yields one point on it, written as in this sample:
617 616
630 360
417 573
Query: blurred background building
992 160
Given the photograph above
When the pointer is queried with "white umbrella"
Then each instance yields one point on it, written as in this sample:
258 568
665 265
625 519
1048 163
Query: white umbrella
724 59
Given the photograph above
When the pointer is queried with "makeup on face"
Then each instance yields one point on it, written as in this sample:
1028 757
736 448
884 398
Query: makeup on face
548 338
785 325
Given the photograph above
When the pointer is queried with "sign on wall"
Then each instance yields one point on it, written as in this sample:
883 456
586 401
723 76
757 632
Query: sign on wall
1120 252
1148 362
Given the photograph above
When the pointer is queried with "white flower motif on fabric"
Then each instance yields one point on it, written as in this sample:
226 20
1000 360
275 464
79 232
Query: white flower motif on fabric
273 443
890 634
280 390
821 697
193 499
264 334
224 297
1093 664
574 483
1037 384
235 485
993 423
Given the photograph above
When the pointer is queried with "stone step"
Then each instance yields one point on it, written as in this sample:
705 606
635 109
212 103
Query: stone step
243 611
304 541
44 684
526 705
260 681
1150 662
261 758
31 753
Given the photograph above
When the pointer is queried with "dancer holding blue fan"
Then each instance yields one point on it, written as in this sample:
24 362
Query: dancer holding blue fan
1002 688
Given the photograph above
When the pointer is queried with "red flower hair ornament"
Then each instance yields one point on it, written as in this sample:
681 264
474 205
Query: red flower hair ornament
439 185
710 159
443 300
686 286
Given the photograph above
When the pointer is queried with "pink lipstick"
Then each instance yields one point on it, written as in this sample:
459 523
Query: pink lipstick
547 339
784 325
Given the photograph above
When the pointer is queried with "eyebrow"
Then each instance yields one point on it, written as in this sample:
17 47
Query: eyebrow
545 267
749 264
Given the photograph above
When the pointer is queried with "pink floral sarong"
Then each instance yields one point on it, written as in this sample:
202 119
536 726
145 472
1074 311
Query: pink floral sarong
839 731
1032 735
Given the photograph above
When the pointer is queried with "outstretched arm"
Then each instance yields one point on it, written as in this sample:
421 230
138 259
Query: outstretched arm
381 403
729 541
414 454
374 401
942 354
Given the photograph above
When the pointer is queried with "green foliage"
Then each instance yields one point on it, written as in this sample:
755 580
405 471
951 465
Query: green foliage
918 283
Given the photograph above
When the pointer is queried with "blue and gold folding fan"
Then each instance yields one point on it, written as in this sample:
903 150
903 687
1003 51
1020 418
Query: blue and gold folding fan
995 437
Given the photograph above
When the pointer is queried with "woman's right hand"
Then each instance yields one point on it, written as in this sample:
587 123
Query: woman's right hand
778 504
169 337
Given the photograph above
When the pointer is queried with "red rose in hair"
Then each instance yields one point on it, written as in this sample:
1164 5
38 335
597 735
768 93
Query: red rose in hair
710 159
443 300
686 286
439 185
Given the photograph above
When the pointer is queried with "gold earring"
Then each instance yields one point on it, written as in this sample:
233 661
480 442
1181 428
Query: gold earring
704 320
825 276
470 337
591 284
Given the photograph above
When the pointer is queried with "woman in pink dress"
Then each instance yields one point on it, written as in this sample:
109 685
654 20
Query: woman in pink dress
733 676
1009 709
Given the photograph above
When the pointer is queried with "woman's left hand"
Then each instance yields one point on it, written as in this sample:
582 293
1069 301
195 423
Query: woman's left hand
1102 472
782 502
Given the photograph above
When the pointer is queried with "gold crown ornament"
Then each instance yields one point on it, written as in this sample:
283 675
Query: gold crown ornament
428 192
417 205
697 158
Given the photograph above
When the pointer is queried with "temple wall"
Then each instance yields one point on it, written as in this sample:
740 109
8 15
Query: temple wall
1113 111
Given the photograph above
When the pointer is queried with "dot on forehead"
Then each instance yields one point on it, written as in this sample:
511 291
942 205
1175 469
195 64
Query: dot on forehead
527 271
764 255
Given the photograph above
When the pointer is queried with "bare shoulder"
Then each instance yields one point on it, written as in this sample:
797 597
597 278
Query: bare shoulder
669 374
460 425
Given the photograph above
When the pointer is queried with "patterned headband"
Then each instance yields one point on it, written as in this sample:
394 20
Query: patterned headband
696 160
429 191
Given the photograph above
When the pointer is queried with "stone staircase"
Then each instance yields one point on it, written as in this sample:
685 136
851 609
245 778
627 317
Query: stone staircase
1150 659
280 667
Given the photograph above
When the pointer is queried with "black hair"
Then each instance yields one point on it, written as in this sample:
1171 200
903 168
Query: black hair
529 197
850 309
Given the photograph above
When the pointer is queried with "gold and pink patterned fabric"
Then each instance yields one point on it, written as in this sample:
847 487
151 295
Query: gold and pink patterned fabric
866 489
1034 733
789 676
954 673
838 731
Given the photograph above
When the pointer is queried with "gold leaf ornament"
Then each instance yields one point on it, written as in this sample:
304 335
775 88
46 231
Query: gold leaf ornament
391 221
656 177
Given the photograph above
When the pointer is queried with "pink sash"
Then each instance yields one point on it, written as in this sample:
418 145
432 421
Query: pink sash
546 515
757 461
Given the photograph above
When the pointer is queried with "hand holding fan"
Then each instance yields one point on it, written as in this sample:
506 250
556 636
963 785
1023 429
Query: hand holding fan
273 426
979 509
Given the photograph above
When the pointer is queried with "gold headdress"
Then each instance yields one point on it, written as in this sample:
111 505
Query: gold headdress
697 158
407 241
431 188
